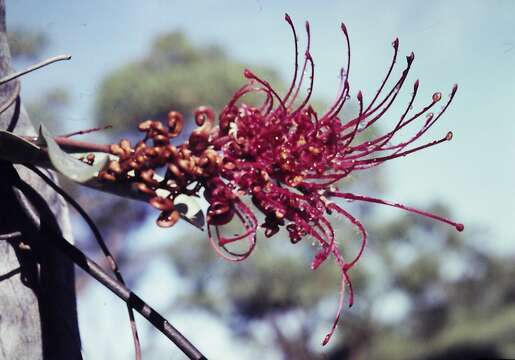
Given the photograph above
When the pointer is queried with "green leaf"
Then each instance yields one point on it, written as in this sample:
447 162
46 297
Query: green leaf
16 149
66 164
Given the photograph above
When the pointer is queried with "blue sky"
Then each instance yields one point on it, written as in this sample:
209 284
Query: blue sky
471 43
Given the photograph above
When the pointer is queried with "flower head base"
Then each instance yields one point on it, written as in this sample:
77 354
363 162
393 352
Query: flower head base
283 156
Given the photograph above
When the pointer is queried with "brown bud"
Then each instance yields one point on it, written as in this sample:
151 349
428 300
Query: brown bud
140 159
204 114
167 153
140 146
159 127
161 203
198 141
168 218
202 160
174 169
145 125
126 146
145 189
175 123
115 149
160 139
185 152
219 213
133 165
148 177
172 149
103 175
151 152
115 167
185 165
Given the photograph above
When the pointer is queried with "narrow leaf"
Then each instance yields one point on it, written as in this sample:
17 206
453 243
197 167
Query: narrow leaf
66 164
16 149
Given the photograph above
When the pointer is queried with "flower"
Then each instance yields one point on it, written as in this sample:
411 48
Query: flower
282 155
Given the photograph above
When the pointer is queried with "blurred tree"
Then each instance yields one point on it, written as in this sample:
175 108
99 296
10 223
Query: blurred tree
26 44
48 109
174 75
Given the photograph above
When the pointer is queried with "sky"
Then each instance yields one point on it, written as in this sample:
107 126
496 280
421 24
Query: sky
464 42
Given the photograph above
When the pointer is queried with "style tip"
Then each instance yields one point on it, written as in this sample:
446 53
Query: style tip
344 28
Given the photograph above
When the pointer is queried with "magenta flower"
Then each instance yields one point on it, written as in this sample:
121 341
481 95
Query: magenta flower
283 156
287 158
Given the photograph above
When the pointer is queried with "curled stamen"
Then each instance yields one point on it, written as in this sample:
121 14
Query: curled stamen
303 71
250 75
350 196
295 73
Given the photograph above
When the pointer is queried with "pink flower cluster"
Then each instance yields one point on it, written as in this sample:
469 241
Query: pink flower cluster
282 156
288 158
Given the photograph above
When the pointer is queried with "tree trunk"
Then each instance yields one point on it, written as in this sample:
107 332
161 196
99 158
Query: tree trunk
38 318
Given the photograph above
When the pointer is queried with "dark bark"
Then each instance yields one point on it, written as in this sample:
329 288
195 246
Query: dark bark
38 318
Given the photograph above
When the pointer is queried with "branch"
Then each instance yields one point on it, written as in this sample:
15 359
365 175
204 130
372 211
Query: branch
103 246
74 146
34 67
81 146
87 131
130 298
10 236
93 269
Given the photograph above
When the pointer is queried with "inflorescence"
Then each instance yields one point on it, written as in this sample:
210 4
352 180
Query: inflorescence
282 155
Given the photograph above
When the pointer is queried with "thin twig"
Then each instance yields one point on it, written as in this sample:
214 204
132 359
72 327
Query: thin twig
10 236
7 104
10 274
87 131
133 300
124 293
34 67
107 253
74 146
